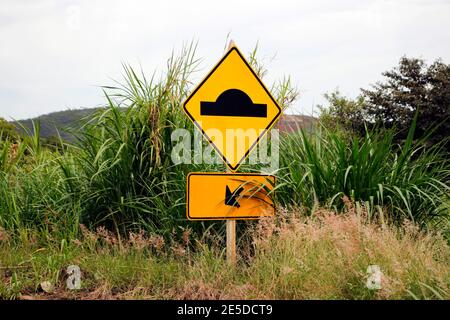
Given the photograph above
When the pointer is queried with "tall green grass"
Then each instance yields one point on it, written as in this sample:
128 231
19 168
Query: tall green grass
410 180
120 174
32 189
122 170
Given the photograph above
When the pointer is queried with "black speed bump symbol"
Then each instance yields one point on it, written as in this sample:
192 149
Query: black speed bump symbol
233 103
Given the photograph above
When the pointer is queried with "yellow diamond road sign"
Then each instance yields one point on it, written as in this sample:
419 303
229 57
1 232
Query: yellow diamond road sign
232 108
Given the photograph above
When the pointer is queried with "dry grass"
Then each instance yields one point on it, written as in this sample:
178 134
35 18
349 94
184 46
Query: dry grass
327 256
324 256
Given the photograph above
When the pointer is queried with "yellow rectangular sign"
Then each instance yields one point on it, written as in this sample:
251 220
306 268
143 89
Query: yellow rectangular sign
218 196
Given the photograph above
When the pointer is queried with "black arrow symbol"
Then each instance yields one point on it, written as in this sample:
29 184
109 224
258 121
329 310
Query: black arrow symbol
230 197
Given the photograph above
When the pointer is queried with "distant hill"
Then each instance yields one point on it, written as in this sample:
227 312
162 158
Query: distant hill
290 123
65 121
60 121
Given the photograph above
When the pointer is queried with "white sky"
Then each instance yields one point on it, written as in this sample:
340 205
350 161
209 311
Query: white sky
55 54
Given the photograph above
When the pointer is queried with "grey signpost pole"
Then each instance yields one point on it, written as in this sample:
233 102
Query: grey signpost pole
231 224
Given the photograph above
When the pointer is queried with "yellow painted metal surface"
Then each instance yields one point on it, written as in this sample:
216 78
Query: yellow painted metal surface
232 108
218 196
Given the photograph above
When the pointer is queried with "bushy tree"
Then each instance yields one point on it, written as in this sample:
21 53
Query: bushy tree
412 86
343 112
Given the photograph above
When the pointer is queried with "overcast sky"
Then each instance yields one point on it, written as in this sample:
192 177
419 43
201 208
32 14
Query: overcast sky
55 54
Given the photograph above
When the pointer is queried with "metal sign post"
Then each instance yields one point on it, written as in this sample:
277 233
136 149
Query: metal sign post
231 241
231 224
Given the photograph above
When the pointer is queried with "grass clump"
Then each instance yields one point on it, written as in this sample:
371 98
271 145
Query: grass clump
123 158
408 180
326 256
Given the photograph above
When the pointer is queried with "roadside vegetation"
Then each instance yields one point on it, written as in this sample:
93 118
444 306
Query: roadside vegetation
113 203
324 256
